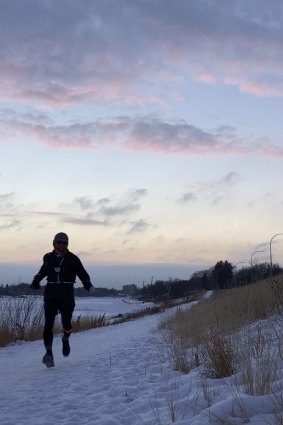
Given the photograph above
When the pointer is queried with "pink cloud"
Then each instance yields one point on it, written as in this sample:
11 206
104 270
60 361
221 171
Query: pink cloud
59 95
260 89
206 78
144 134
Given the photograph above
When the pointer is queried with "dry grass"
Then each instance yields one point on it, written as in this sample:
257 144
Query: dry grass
22 319
178 354
259 359
258 376
219 355
206 327
226 311
84 323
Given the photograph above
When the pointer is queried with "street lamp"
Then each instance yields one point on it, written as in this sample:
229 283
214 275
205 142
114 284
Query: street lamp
241 262
235 266
253 255
252 262
270 253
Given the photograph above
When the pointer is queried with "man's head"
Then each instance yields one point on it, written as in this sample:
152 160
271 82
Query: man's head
60 242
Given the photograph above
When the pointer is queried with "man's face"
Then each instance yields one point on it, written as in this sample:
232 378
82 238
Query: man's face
60 246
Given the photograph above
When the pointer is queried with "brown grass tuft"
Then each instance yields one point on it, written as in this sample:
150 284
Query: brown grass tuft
219 355
84 323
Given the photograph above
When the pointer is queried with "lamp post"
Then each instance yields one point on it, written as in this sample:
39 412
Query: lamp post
252 262
235 266
241 262
270 252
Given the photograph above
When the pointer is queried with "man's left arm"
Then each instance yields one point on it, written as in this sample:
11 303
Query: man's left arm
83 275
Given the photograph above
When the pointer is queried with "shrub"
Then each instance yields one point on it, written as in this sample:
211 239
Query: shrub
20 319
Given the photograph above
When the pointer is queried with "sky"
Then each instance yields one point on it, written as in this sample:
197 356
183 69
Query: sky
149 131
125 375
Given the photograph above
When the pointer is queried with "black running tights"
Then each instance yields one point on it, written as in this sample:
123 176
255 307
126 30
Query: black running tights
50 314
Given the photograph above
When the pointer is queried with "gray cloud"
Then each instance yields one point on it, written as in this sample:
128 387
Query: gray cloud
47 213
136 194
66 52
127 207
104 211
231 178
217 199
84 221
103 201
86 211
119 210
138 226
214 192
4 197
7 205
25 117
10 224
84 202
143 133
188 197
224 183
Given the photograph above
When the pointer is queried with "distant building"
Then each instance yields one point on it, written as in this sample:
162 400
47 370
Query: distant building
130 289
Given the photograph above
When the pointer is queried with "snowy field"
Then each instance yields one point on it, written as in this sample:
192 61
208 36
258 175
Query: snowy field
108 306
92 306
121 375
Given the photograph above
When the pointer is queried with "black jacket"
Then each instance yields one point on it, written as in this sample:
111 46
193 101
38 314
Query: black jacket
62 270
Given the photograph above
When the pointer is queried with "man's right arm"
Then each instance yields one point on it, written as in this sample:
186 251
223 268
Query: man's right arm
39 276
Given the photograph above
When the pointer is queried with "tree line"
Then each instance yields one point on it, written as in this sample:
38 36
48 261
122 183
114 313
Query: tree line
23 289
223 275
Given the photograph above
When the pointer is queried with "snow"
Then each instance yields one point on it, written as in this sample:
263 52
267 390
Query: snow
106 306
119 375
89 306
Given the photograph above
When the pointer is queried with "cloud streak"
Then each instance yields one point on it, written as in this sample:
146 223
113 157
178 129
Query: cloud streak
115 211
214 192
84 221
107 211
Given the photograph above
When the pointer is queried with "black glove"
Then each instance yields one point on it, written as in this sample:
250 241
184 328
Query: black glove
87 286
35 284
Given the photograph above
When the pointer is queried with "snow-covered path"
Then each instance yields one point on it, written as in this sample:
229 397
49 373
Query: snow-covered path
106 371
121 375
